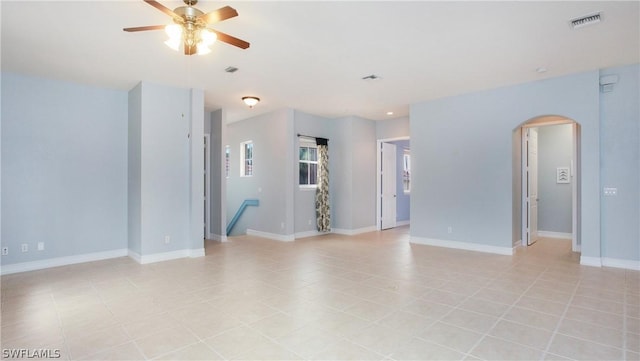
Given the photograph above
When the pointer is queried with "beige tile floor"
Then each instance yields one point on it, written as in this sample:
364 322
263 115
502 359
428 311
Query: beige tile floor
369 297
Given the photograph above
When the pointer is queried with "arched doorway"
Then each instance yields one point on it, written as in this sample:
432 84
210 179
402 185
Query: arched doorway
553 199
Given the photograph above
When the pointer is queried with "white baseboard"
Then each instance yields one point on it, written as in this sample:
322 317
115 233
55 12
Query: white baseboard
166 256
508 251
353 232
591 261
195 253
309 234
273 236
61 261
610 262
403 223
217 237
621 263
549 234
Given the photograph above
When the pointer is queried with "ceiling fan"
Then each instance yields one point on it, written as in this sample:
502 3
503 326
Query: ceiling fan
189 29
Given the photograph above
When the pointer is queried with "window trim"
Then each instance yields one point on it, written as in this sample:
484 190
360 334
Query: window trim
227 160
243 158
308 144
406 168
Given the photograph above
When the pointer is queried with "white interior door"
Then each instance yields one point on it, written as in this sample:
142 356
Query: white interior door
388 190
532 186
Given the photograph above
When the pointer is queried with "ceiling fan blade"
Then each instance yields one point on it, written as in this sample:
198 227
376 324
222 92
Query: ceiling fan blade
162 8
226 38
145 28
221 14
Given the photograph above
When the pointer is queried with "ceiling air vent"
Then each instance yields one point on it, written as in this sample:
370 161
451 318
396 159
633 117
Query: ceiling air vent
371 77
231 69
586 20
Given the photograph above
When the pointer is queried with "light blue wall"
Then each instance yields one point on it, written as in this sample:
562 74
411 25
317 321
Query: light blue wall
352 162
363 165
620 137
214 125
304 204
393 128
462 158
272 180
555 149
64 168
354 173
165 182
134 195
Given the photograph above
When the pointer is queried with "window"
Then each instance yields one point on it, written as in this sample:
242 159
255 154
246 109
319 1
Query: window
406 171
246 159
227 156
308 160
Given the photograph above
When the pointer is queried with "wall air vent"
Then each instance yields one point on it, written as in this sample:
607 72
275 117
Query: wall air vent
586 20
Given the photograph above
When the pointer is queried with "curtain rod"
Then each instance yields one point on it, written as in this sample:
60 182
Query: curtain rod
308 136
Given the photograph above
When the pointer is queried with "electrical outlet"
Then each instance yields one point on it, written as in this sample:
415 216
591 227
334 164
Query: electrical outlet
5 251
25 247
449 229
40 246
167 239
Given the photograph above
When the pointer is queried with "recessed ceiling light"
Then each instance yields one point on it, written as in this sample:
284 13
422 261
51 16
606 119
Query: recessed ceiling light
541 70
389 113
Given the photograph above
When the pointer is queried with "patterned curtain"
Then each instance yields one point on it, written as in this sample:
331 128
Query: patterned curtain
323 211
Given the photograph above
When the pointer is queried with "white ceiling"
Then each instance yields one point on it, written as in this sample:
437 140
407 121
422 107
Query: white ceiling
311 56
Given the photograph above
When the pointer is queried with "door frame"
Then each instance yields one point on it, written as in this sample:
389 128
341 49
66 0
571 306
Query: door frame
207 185
379 175
574 171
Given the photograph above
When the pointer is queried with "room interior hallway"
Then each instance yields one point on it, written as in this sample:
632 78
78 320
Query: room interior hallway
371 296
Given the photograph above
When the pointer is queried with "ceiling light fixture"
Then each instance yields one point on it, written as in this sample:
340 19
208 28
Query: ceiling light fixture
189 32
389 113
190 37
250 101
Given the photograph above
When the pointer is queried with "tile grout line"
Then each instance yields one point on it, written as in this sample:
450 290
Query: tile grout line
504 313
562 317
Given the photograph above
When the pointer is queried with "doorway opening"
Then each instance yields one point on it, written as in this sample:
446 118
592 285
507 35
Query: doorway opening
547 181
393 195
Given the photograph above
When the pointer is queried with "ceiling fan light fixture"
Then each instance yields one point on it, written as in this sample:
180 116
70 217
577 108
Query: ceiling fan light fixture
173 44
250 101
207 37
202 49
174 31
